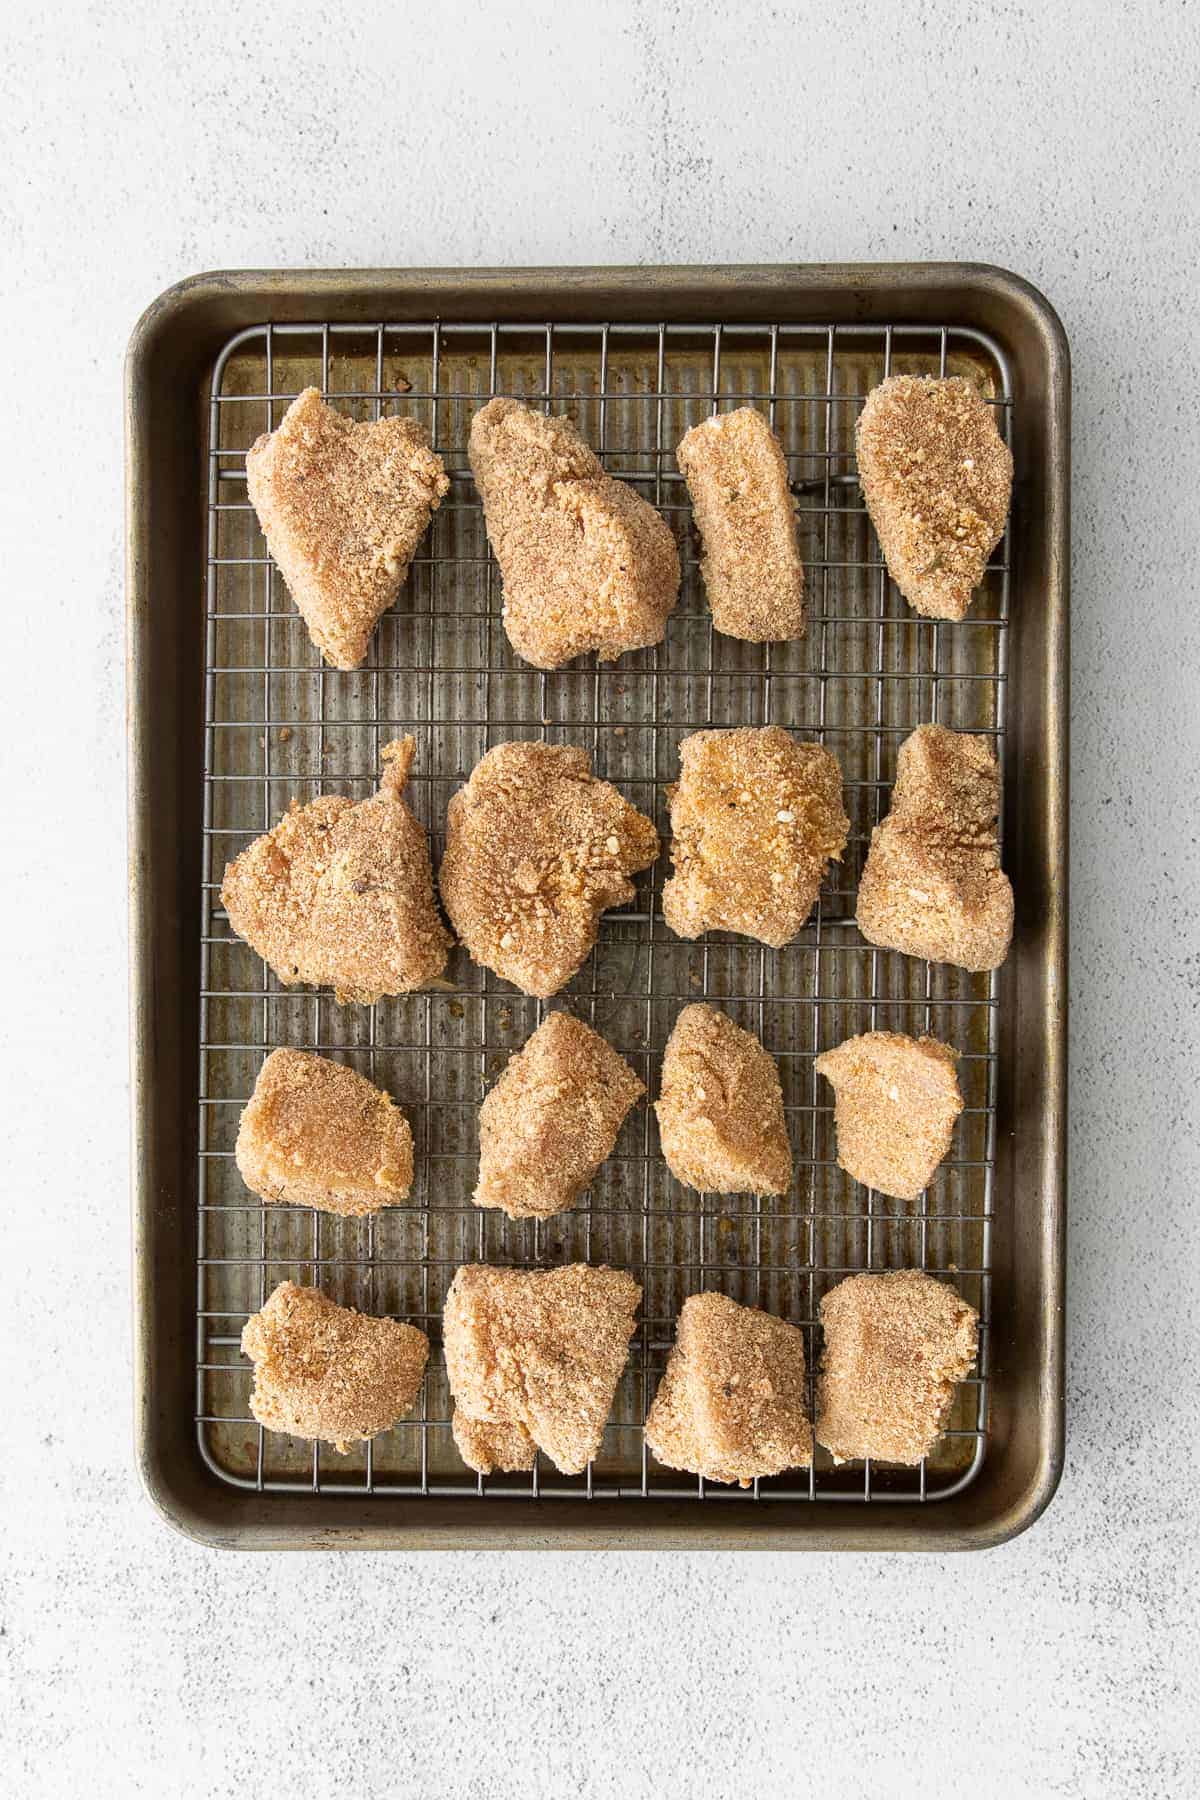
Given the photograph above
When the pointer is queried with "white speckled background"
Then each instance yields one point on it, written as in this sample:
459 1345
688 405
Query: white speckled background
142 140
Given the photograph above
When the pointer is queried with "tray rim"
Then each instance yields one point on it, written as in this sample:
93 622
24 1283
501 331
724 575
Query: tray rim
844 292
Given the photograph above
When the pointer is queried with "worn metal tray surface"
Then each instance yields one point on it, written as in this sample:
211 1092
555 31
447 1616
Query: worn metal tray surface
234 716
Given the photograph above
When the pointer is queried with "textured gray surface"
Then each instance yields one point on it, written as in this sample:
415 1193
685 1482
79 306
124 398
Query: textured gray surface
143 141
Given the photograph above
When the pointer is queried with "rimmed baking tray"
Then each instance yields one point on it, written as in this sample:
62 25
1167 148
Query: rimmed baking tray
231 716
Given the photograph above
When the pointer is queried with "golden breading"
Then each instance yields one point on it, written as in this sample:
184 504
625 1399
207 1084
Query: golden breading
536 849
341 895
937 479
317 1133
895 1345
343 508
756 816
326 1371
753 573
731 1405
932 885
534 1357
720 1111
551 1119
587 564
895 1102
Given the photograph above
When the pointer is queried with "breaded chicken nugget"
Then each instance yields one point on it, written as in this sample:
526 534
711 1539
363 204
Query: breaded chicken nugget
536 849
756 817
326 1371
551 1119
341 895
895 1345
932 885
317 1133
343 508
937 479
720 1111
752 569
587 564
731 1405
895 1102
534 1357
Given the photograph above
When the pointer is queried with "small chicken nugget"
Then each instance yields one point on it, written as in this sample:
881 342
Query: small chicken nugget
720 1111
932 885
937 479
343 507
731 1405
534 1358
756 816
551 1119
587 564
737 479
326 1371
895 1347
896 1100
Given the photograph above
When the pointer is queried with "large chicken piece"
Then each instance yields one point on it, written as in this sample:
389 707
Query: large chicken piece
720 1109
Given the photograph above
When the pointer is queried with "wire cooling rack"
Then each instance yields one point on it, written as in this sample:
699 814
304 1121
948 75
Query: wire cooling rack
281 726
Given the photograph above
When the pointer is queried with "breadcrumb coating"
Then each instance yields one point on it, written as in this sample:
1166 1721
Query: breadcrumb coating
895 1102
756 816
587 564
895 1346
317 1133
731 1405
343 507
937 479
720 1110
551 1119
536 849
340 894
932 885
753 573
534 1357
326 1371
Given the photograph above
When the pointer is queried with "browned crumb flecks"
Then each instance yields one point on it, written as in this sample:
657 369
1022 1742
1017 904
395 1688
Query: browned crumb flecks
343 507
933 886
937 479
326 1371
737 479
731 1405
341 895
587 564
895 1346
534 1358
317 1133
756 816
720 1112
536 849
896 1100
551 1119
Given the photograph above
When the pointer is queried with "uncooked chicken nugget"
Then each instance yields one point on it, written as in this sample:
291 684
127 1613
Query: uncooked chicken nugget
551 1119
720 1110
587 564
536 849
731 1405
937 479
326 1371
756 816
317 1133
534 1357
932 885
895 1102
895 1346
343 508
341 894
752 569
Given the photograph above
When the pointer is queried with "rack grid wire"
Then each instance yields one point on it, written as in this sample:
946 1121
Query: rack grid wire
279 726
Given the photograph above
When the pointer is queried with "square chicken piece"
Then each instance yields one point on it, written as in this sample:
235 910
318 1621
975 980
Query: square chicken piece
896 1100
317 1133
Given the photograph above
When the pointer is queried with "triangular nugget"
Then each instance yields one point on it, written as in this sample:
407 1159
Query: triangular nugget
896 1100
343 507
720 1109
